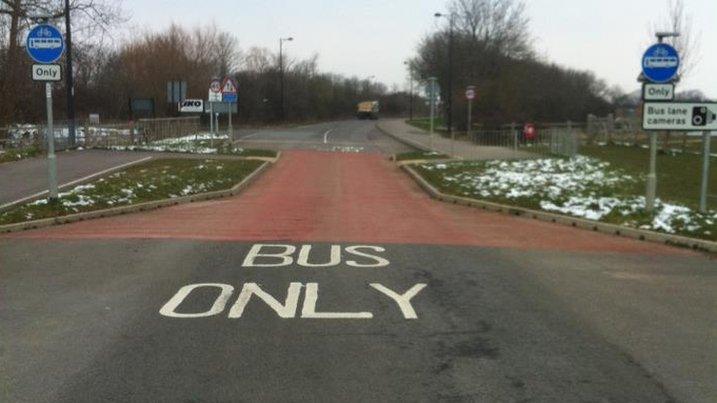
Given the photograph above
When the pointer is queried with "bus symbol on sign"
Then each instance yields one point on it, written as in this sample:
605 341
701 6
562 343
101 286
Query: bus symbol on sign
45 43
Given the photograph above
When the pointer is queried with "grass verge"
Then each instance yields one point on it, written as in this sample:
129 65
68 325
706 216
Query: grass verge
151 181
580 187
679 175
203 143
17 154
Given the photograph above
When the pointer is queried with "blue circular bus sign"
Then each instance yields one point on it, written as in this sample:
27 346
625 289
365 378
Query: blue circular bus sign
45 44
660 63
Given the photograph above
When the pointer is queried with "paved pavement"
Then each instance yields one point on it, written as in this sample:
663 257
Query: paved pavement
335 278
27 177
421 139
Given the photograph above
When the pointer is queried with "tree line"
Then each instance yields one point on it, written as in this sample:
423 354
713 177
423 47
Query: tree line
492 50
108 74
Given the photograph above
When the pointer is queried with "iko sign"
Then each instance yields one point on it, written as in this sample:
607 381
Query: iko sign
191 106
658 92
660 63
45 44
46 72
678 116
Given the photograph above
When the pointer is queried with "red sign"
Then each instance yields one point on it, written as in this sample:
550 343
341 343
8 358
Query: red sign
529 131
471 93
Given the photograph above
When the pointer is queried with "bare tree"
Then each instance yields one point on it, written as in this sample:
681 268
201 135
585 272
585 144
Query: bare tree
498 24
688 43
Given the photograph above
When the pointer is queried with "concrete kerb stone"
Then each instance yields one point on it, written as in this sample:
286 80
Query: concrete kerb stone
613 229
153 205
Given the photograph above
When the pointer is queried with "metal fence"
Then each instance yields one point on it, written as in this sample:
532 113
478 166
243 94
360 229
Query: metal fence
105 135
510 142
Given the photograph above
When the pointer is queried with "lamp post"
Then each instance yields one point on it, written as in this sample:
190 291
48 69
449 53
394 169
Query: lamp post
410 95
449 100
281 74
70 79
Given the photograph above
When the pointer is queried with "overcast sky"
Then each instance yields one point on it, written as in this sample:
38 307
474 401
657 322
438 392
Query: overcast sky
373 37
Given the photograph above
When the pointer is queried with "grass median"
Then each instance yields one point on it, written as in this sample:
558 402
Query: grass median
155 180
584 187
201 143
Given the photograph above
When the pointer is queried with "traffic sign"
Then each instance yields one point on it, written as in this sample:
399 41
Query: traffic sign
45 44
660 63
658 92
46 72
215 91
191 106
679 116
470 93
229 90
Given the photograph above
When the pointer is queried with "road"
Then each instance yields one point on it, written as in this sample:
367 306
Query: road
335 278
28 177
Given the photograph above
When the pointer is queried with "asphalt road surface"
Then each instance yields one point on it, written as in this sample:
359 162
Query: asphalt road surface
335 278
28 177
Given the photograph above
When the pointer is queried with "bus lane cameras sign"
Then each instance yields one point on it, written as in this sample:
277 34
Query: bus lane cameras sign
679 116
231 300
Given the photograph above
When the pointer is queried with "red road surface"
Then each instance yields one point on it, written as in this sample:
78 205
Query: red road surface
335 197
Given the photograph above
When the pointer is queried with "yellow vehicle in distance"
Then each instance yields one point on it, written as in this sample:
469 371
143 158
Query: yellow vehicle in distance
368 110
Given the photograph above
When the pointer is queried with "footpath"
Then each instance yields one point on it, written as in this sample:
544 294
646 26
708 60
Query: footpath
421 139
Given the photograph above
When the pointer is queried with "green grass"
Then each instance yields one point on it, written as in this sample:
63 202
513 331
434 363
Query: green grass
17 154
151 181
420 155
679 176
425 124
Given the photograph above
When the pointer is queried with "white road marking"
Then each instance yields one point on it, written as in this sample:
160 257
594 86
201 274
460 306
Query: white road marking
403 301
76 181
311 295
170 308
326 136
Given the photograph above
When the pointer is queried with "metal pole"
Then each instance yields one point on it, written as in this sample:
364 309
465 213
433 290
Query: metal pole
231 129
410 106
450 80
433 110
470 118
652 176
281 78
72 137
706 140
51 158
211 117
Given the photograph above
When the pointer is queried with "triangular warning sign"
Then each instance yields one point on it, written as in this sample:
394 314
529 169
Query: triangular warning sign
228 86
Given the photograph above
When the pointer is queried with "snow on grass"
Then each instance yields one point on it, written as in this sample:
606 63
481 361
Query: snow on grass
154 180
581 187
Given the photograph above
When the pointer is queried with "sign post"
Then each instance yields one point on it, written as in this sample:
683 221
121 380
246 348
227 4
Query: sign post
45 45
470 95
704 190
230 96
660 65
215 95
432 97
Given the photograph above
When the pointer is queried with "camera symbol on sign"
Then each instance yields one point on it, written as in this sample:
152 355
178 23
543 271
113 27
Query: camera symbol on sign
702 116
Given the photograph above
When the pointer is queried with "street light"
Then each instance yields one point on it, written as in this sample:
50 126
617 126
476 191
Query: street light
410 96
449 100
70 79
281 74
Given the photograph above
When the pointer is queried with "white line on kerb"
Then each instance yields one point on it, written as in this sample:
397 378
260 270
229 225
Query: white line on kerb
76 181
326 136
